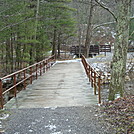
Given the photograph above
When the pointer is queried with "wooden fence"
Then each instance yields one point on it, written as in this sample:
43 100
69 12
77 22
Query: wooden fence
21 76
94 78
93 50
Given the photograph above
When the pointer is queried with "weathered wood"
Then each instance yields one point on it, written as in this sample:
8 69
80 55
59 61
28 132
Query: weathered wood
93 76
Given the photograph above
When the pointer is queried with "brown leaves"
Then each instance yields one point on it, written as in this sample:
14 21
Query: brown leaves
120 113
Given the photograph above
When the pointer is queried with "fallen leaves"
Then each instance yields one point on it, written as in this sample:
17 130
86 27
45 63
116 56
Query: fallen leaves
120 113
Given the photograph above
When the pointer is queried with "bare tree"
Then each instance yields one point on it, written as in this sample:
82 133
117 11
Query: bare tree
89 29
118 65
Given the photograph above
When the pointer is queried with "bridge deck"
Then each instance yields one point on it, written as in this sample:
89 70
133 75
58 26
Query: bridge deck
65 84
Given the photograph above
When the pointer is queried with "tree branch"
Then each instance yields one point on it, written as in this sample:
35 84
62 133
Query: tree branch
131 34
108 23
12 25
106 8
103 24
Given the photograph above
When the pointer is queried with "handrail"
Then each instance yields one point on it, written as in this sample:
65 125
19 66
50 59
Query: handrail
94 77
40 67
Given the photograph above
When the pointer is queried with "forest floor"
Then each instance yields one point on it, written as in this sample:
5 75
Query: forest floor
119 114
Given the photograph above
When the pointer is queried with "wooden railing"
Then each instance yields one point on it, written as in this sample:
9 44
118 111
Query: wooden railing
21 76
94 78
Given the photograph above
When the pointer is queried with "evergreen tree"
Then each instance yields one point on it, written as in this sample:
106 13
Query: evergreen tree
29 27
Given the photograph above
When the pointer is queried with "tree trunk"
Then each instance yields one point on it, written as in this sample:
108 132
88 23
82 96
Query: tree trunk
79 36
118 65
54 49
89 30
12 51
37 14
8 56
59 45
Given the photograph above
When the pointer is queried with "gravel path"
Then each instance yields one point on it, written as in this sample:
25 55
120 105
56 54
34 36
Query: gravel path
65 120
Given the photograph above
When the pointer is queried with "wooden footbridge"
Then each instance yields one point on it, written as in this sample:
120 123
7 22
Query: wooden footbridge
51 83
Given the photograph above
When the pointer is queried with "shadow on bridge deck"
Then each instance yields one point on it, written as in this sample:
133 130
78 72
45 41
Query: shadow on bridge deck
65 84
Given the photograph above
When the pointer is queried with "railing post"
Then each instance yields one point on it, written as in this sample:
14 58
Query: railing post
36 71
14 82
86 65
1 95
49 63
89 73
31 76
43 66
46 64
24 78
91 77
40 69
99 88
94 82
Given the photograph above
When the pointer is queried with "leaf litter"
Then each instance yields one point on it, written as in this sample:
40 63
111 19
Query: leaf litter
120 114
